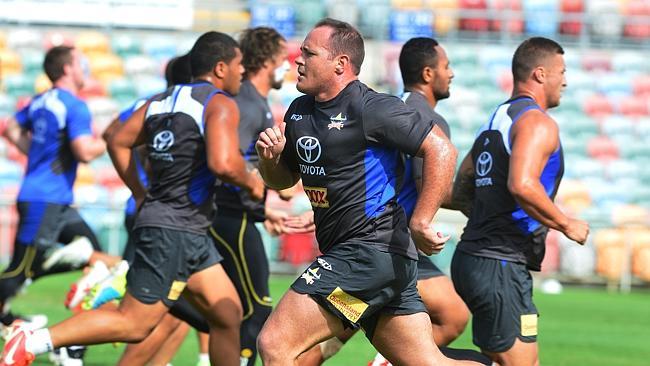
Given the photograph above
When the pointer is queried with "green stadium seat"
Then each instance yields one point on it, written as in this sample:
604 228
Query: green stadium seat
125 45
122 89
308 13
19 85
7 105
32 62
375 17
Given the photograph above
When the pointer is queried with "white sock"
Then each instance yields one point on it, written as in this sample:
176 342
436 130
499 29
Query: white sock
204 357
39 342
86 249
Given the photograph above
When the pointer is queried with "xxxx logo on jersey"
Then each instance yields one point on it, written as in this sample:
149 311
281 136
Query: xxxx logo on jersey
317 196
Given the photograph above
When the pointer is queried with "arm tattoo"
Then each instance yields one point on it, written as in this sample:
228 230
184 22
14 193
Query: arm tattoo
462 196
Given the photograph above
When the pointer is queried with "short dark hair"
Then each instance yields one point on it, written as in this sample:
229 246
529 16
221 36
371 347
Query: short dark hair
211 48
530 54
55 59
416 54
259 45
178 70
345 39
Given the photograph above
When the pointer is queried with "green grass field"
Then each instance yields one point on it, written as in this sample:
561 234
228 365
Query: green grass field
578 327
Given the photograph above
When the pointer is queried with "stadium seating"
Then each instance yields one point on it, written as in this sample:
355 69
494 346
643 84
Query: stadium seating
604 116
541 17
571 11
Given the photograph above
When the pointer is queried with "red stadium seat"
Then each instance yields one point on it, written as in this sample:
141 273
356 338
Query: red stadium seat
634 106
602 148
473 23
298 249
505 81
596 61
641 85
56 38
92 88
571 8
598 106
551 262
636 26
515 24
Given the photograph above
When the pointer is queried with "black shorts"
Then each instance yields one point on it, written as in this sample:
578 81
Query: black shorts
357 283
164 260
500 296
244 258
427 269
42 223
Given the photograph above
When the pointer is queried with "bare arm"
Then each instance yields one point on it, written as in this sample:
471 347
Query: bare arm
534 138
222 146
462 196
439 160
274 170
120 145
86 148
17 135
110 130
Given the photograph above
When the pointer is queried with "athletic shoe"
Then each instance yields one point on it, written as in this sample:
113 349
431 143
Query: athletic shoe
68 356
82 287
32 322
379 361
111 288
14 352
75 254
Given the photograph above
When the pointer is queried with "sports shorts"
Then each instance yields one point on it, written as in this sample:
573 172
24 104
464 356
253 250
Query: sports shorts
427 269
357 283
500 296
164 259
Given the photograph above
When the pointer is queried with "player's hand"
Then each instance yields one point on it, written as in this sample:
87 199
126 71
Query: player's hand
578 231
428 240
271 142
300 224
274 222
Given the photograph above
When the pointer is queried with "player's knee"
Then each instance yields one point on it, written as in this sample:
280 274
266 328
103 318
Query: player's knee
225 314
138 332
458 323
269 346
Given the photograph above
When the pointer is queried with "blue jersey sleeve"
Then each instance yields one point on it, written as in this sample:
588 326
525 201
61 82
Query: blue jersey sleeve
78 120
125 114
22 117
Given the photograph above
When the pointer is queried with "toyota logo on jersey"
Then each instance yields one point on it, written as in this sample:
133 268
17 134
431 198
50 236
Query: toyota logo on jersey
484 164
163 141
308 149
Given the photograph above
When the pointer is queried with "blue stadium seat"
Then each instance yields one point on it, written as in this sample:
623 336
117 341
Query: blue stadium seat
541 17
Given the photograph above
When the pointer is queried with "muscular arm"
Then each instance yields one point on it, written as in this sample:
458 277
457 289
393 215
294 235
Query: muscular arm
17 136
110 130
86 148
120 144
534 138
439 160
222 146
273 168
462 195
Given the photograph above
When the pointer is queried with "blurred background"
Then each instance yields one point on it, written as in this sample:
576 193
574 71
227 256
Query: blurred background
604 116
